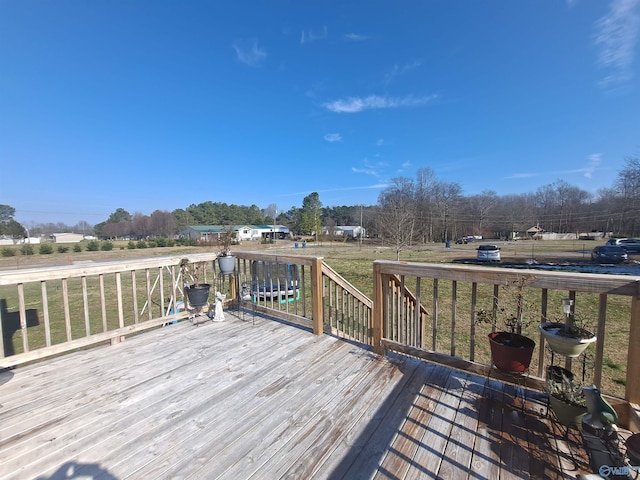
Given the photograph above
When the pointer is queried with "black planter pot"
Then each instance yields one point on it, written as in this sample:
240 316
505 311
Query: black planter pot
198 295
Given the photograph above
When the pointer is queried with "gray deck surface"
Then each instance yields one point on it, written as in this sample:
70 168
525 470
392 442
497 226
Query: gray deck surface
239 400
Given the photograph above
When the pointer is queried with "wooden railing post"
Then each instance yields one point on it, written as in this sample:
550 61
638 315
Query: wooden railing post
632 391
316 296
377 312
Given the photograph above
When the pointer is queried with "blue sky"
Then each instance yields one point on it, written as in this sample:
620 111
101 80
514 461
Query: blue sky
155 104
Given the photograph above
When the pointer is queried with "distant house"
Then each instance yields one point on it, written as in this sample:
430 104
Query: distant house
213 233
66 237
347 231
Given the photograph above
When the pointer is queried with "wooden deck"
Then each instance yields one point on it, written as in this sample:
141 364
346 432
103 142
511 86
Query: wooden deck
239 400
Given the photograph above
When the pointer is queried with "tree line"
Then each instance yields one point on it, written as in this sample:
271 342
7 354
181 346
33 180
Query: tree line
409 211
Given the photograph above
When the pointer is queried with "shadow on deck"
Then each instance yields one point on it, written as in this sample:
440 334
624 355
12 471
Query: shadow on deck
240 399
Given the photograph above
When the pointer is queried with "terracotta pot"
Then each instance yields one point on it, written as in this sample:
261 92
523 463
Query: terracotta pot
511 352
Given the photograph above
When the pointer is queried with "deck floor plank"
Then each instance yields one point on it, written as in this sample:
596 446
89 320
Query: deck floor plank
238 399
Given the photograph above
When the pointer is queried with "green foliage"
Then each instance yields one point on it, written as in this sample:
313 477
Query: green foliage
8 252
63 248
93 246
152 244
77 248
141 244
106 246
161 242
26 249
131 245
45 249
562 385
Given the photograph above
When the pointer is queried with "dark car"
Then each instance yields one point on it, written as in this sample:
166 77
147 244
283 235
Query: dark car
631 245
609 254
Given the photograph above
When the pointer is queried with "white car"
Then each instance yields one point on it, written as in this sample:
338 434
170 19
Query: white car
488 253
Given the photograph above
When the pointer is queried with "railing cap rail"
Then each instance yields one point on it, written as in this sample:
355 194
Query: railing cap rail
570 281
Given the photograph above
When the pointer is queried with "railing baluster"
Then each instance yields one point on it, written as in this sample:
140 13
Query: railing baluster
23 318
134 298
67 314
45 313
119 300
600 333
418 314
454 299
103 303
472 327
434 335
85 303
544 298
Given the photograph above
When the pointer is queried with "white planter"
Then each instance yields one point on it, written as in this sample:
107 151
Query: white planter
227 264
568 346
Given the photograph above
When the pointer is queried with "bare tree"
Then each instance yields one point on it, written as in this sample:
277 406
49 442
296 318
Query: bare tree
162 223
397 214
628 187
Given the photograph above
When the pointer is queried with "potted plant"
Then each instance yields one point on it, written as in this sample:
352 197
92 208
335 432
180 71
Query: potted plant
226 261
569 338
510 350
197 293
566 396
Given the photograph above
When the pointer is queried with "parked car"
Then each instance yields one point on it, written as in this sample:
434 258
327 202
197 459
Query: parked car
609 254
631 245
488 253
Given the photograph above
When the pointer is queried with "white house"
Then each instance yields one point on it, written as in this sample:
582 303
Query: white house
348 231
67 237
213 233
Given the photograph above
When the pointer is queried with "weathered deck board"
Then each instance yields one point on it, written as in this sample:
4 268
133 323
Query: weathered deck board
235 400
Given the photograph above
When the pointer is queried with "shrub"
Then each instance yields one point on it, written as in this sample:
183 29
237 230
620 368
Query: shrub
26 249
77 248
63 248
131 245
152 244
141 244
46 249
93 246
161 242
170 242
7 252
106 246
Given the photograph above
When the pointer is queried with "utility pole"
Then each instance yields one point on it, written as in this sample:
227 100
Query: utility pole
360 227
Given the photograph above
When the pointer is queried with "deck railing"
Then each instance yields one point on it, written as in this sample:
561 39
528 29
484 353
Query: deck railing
443 328
422 309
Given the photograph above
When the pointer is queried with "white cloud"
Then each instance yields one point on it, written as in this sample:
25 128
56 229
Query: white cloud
366 171
522 175
311 36
372 102
369 168
616 37
587 171
333 137
249 53
594 162
356 37
401 70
